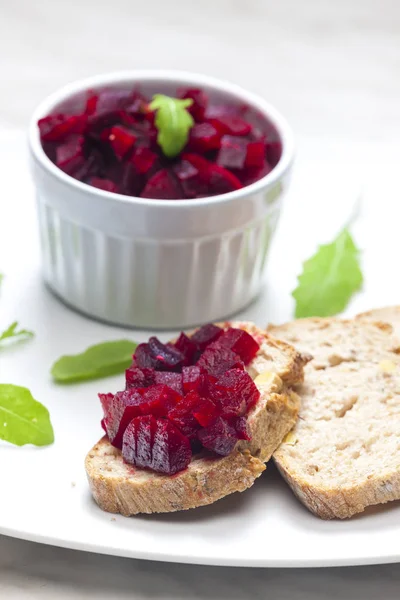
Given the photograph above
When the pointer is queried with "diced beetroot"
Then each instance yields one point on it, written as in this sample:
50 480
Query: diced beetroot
105 400
55 128
200 101
123 407
206 335
156 444
172 380
234 392
121 141
206 412
193 183
194 378
255 156
113 100
222 181
171 451
103 184
217 359
231 125
139 378
159 356
168 357
187 347
233 152
249 176
158 400
162 186
216 111
143 159
69 156
103 425
182 415
91 103
143 358
240 426
204 137
220 437
240 342
274 152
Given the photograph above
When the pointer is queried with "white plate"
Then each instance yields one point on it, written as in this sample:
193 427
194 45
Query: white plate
44 494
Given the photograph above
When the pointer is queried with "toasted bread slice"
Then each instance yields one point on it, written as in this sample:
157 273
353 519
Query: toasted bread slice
121 488
343 454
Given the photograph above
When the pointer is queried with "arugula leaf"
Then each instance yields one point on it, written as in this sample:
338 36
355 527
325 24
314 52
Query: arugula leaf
329 278
23 420
101 360
11 334
173 122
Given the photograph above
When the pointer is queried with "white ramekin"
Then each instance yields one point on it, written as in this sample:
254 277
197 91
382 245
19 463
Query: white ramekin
156 263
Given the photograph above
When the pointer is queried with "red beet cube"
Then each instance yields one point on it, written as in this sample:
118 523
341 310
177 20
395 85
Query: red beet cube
55 128
139 378
222 181
194 379
118 412
231 125
193 182
206 412
240 342
103 184
143 159
234 393
121 141
172 380
233 152
168 357
162 186
204 137
159 356
220 437
158 400
207 334
274 152
69 156
217 359
186 346
183 415
240 426
156 444
200 101
255 155
91 103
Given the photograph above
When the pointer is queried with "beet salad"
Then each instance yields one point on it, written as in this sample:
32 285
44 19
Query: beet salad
161 147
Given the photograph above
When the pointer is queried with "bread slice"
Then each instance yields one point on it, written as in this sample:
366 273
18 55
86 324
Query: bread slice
344 453
388 314
119 487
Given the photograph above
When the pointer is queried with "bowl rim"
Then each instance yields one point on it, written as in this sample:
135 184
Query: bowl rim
182 78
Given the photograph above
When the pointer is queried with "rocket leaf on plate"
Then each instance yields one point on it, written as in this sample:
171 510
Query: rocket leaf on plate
329 278
23 420
98 361
12 334
173 123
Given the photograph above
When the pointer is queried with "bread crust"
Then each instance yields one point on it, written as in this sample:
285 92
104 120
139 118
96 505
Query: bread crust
121 488
381 485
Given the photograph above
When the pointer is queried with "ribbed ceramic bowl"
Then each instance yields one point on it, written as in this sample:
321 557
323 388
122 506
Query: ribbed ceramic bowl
156 263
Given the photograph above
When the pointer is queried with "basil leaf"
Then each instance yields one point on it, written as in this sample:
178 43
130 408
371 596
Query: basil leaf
23 420
329 278
101 360
173 122
11 334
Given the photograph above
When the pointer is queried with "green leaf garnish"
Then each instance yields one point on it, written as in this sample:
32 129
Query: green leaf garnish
11 334
329 278
23 420
101 360
173 122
